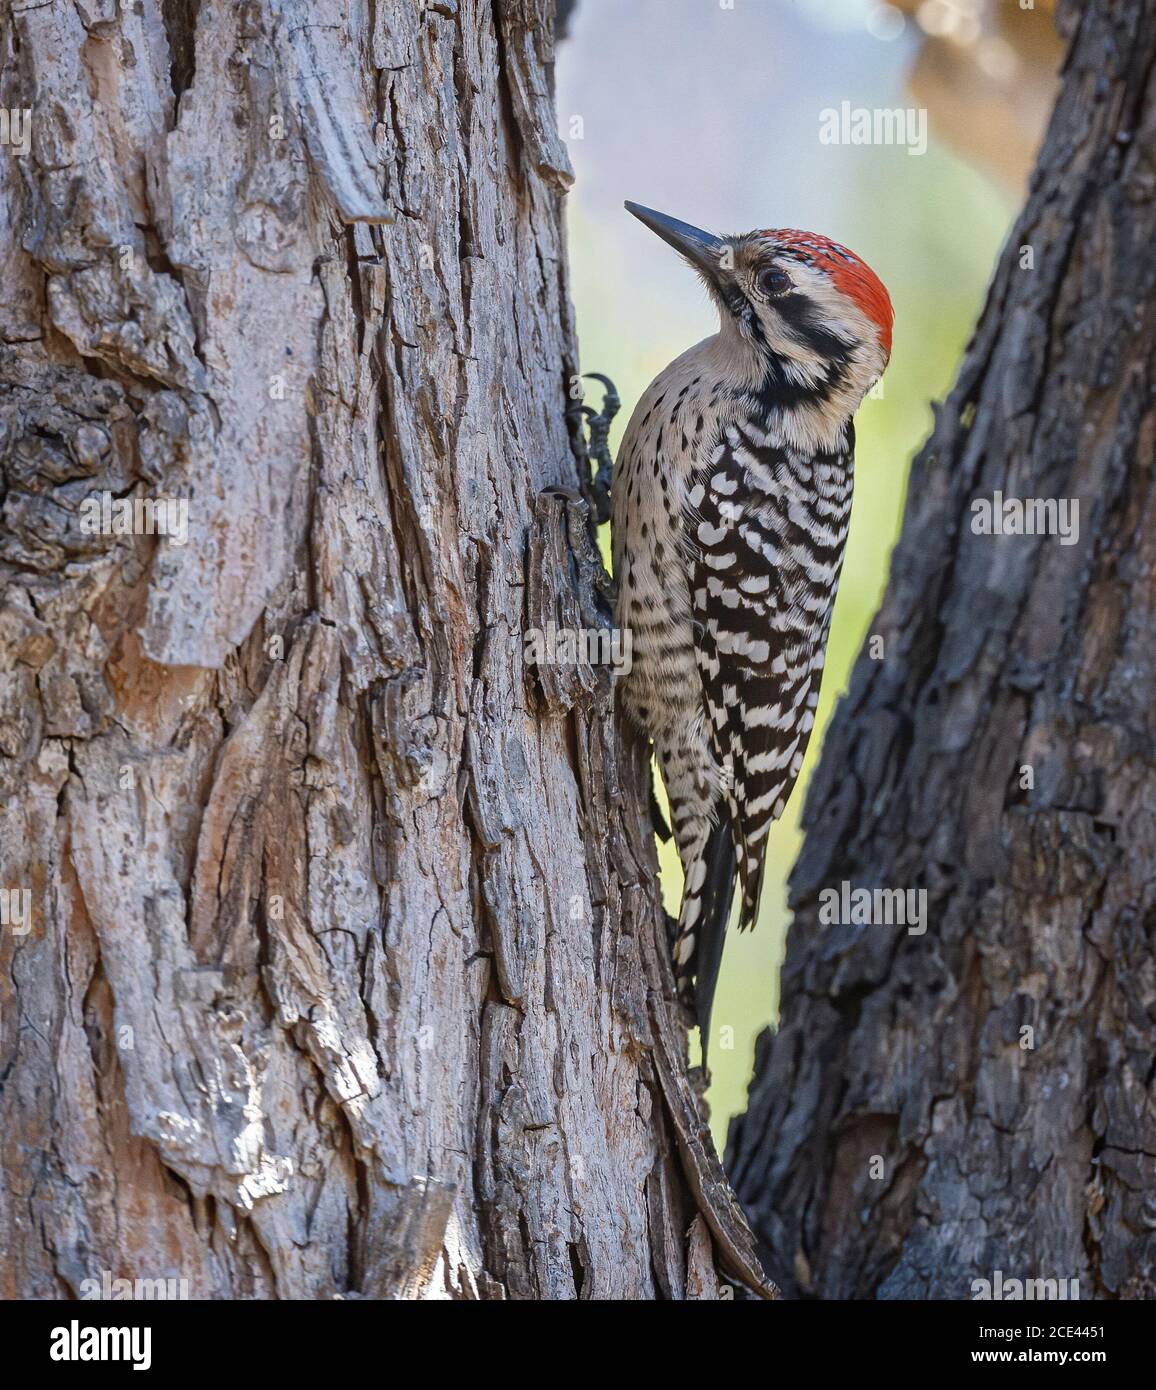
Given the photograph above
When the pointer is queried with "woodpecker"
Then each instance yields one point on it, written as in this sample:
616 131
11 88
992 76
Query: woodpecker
731 505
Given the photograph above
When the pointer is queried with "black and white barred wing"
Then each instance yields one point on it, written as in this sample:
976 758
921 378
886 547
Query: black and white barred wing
761 609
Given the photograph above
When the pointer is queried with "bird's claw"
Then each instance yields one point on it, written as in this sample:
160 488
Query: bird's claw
598 424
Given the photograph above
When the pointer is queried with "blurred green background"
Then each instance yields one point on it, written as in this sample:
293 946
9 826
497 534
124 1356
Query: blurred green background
711 112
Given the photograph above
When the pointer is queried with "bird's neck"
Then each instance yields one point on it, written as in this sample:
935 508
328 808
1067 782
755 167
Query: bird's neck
807 405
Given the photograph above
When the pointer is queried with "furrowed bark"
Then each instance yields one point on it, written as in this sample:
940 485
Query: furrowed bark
344 974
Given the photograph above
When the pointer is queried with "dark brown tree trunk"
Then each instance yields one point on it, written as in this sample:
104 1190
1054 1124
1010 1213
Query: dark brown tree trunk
331 961
937 1107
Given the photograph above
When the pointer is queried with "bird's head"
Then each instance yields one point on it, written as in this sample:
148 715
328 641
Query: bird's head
811 311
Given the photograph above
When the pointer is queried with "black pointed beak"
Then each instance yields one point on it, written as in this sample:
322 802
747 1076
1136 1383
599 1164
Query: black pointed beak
700 248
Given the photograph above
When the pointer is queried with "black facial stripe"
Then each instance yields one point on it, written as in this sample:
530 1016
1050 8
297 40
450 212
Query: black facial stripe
736 301
743 311
777 391
801 316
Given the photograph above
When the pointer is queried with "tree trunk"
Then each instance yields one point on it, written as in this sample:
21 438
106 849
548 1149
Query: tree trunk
343 971
937 1107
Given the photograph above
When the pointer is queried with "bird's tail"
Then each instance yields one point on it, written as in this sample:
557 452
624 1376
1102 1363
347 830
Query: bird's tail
706 909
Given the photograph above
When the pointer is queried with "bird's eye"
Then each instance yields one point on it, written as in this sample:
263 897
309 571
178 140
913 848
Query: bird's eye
772 281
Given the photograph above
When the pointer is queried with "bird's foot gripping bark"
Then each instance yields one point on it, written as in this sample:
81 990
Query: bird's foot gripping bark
598 447
563 540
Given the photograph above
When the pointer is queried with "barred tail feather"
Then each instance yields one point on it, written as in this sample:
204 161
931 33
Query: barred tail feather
751 878
706 909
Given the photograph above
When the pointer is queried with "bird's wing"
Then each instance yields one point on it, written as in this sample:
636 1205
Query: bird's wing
760 628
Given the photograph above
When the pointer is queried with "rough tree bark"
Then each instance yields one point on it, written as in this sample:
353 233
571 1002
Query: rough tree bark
344 972
1032 1152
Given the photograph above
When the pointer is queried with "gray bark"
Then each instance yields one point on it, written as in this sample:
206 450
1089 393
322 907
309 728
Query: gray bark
999 1067
345 973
